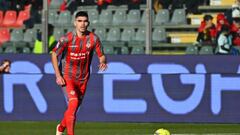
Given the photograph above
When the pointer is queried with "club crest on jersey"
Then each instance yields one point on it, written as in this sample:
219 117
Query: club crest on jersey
72 92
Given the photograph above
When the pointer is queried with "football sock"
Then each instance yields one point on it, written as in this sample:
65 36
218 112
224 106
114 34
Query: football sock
70 115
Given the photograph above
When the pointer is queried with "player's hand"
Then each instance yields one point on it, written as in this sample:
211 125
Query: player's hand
102 66
60 80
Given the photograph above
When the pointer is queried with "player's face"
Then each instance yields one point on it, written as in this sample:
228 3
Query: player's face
81 23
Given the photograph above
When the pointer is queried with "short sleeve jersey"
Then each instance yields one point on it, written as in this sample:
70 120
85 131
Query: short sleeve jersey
76 54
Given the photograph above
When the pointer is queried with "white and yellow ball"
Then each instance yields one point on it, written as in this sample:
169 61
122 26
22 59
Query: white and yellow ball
162 131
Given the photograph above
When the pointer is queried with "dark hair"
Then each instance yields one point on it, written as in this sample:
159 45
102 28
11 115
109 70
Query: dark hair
6 60
207 17
81 13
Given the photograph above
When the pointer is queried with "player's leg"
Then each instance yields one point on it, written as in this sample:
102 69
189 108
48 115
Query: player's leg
73 105
61 127
71 115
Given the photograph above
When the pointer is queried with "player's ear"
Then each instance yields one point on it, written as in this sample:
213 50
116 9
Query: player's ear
88 23
74 23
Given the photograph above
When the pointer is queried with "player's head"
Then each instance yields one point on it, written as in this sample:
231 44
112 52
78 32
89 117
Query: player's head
81 21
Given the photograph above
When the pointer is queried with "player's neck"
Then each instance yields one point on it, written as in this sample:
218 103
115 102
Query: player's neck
81 34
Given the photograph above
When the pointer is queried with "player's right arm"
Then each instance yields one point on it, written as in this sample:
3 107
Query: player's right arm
55 53
59 79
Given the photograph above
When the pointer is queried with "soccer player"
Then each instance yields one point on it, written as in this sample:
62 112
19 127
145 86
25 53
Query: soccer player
76 49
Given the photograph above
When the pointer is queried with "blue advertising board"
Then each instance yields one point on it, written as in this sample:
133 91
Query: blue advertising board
135 88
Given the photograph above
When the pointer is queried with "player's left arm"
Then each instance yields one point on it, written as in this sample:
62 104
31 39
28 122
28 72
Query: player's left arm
102 58
102 63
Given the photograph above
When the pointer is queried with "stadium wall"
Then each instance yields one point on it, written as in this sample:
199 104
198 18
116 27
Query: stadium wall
135 88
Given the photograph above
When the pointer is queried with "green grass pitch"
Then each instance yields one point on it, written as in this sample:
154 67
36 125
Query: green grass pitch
100 128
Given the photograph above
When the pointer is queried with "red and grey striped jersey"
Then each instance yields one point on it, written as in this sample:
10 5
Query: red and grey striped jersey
76 54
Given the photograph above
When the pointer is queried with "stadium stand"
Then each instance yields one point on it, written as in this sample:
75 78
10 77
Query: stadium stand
121 28
128 34
17 35
22 16
162 17
119 17
10 18
179 17
137 50
106 17
93 16
52 17
114 35
10 49
5 35
101 32
192 50
124 50
206 50
1 17
134 16
64 18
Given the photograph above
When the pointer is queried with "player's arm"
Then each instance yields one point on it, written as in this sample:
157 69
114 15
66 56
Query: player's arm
3 66
102 58
59 78
55 53
102 63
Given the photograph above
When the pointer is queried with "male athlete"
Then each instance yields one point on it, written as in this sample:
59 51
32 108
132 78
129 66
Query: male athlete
76 50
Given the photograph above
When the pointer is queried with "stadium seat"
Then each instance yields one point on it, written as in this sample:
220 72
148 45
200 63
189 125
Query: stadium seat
119 17
20 45
52 17
10 18
93 16
179 17
106 17
1 17
56 3
128 34
58 33
114 34
133 17
137 50
141 34
144 17
10 49
30 35
5 35
191 49
124 50
101 32
64 18
26 50
16 35
159 35
108 49
162 17
23 15
206 50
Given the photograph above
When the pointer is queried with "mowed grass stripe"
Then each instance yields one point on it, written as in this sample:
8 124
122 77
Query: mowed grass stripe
101 128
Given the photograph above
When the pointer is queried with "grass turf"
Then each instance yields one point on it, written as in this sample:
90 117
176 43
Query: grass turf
92 128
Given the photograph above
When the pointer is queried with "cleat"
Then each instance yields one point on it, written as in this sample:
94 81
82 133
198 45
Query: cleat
58 132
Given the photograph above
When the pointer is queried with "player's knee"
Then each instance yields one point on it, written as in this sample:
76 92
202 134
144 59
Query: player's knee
74 103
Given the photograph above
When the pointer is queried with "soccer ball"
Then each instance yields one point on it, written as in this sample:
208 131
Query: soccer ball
162 131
